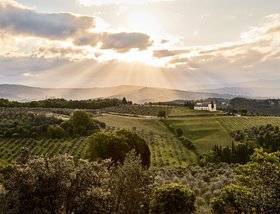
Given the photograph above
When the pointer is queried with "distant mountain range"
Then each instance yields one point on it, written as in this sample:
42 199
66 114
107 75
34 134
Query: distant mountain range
140 94
137 94
253 89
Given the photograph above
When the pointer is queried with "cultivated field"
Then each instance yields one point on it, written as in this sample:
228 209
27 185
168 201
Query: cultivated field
10 149
205 132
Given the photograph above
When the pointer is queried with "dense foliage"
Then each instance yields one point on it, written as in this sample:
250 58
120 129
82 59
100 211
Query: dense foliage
27 125
267 137
33 124
138 110
65 185
257 189
115 145
255 107
172 198
239 153
205 181
62 103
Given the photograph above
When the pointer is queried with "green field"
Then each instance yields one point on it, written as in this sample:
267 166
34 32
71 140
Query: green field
205 132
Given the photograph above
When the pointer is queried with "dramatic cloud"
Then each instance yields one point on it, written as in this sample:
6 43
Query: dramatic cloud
24 21
20 21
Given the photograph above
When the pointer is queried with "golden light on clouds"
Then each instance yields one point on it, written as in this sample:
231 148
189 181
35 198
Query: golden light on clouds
114 42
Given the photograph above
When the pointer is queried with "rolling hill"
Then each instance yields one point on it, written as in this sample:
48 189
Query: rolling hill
137 94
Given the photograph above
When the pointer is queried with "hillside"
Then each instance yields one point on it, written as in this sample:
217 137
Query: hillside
137 94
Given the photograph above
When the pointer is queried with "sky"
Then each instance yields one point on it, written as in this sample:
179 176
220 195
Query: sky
182 44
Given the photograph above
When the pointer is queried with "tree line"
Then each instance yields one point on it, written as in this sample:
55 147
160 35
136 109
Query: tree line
62 103
40 125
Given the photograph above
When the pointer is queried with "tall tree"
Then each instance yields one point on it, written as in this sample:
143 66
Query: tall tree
124 101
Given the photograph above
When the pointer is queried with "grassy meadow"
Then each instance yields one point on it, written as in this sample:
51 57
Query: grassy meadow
205 132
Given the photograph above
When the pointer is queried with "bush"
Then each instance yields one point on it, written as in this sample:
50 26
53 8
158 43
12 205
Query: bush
187 143
55 131
172 199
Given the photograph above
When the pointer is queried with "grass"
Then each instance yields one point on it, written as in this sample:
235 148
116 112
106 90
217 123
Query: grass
205 132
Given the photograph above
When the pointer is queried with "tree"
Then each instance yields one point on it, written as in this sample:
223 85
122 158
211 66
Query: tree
179 132
66 185
115 145
172 199
130 186
105 145
82 123
212 105
124 101
257 189
162 114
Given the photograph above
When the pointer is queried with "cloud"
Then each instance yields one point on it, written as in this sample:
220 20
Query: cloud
20 21
91 39
70 53
119 2
123 42
24 21
255 47
166 53
17 66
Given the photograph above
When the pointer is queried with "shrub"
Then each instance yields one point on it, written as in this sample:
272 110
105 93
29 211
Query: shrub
172 198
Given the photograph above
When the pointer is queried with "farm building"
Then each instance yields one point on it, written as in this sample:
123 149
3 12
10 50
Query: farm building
205 107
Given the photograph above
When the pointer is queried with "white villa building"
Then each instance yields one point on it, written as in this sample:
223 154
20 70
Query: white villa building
205 107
